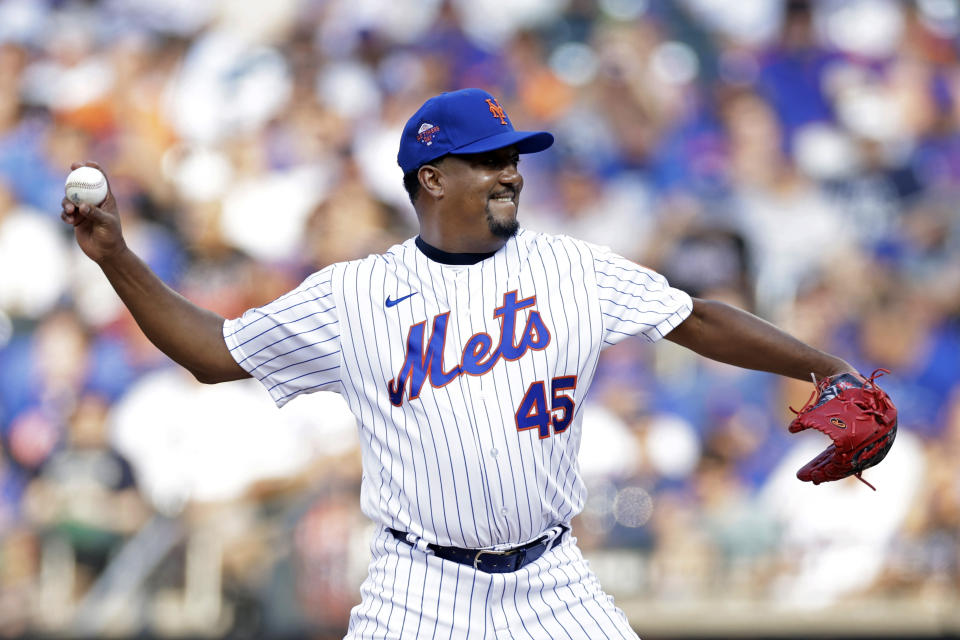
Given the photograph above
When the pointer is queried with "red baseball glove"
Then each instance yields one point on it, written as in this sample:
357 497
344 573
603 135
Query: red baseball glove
860 419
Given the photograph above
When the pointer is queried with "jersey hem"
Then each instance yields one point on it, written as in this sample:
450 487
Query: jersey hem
240 357
675 319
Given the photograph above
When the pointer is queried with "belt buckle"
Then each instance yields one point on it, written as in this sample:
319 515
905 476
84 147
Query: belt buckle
492 552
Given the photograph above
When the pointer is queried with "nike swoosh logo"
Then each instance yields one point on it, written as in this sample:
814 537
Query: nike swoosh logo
392 303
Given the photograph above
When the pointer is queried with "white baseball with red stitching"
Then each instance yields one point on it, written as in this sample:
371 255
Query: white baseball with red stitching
86 185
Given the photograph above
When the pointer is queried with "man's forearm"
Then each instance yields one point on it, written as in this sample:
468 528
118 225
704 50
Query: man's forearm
727 334
189 335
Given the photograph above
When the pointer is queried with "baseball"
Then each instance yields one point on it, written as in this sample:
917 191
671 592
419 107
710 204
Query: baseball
86 185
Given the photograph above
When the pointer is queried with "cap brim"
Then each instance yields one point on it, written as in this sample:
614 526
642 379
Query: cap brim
524 141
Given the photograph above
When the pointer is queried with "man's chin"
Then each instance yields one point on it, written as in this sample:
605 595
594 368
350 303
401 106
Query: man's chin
505 229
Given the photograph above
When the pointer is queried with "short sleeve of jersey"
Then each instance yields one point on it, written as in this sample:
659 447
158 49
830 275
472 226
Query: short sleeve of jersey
636 301
291 345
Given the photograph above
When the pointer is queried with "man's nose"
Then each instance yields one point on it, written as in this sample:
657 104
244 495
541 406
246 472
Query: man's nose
511 175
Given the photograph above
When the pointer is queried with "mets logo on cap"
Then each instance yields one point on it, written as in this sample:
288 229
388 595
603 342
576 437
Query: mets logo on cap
426 132
497 110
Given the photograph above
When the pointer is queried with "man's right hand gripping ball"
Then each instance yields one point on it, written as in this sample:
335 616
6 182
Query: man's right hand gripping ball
97 228
858 416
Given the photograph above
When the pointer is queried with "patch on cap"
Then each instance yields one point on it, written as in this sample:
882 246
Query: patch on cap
426 132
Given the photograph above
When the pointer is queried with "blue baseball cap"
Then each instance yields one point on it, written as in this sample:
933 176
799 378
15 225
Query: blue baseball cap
465 121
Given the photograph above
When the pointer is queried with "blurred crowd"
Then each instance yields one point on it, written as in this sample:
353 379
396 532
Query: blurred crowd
798 159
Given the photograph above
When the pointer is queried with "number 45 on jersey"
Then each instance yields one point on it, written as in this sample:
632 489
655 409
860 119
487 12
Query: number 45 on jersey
538 411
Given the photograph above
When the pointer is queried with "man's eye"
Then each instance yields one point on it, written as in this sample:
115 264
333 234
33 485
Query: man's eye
497 163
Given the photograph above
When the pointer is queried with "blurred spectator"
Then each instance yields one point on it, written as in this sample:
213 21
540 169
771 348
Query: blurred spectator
793 72
86 494
34 259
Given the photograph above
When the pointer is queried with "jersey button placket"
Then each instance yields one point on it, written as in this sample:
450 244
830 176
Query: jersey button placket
470 314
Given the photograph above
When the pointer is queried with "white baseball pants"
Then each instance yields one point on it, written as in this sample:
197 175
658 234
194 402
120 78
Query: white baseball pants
412 594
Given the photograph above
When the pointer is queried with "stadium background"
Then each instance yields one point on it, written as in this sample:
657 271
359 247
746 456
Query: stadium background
800 160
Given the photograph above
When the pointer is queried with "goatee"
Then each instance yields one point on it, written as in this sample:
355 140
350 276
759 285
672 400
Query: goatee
505 229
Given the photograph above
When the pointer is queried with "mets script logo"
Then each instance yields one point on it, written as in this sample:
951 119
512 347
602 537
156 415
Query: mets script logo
425 359
426 132
838 423
497 110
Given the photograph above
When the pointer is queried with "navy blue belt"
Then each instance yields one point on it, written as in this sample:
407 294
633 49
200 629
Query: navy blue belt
493 560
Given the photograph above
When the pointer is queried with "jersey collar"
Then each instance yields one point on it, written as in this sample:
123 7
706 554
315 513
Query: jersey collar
445 257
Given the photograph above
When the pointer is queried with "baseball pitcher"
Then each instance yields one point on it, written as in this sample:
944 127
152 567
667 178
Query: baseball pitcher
465 354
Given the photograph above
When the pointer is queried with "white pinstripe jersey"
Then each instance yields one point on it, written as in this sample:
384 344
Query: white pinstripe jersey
466 381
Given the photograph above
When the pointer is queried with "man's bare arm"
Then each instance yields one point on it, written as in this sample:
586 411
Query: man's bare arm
189 335
727 334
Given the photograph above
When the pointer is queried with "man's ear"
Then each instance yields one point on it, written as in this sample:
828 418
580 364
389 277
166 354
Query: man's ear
431 180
